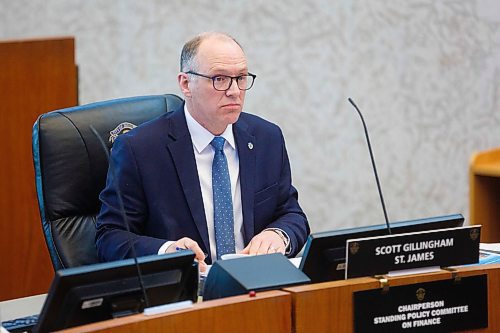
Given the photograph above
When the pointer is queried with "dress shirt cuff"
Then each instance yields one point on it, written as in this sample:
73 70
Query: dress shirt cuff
164 247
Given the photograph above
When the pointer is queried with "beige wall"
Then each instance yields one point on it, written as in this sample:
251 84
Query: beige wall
426 74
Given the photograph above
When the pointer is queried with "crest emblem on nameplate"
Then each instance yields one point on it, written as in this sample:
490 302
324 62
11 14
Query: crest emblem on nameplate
474 234
420 293
354 247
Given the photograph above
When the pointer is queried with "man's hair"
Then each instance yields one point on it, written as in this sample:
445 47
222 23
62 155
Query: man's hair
190 49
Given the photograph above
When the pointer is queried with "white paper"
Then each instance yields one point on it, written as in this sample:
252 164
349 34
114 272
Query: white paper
295 261
420 270
167 307
492 247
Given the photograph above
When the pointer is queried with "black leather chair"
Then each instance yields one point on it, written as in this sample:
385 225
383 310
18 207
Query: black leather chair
71 166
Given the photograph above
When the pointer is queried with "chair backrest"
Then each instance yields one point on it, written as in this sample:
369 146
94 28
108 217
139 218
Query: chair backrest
71 167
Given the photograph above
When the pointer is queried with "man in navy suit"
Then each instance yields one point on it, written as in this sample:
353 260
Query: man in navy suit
163 169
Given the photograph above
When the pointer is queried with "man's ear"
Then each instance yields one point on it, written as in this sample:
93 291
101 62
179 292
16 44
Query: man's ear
182 78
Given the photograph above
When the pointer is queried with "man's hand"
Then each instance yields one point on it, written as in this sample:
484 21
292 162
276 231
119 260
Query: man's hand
189 244
267 241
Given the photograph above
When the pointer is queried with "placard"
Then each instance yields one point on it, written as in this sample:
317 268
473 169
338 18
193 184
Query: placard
438 306
443 248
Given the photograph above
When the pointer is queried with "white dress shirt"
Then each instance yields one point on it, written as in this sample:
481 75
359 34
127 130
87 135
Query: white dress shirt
204 154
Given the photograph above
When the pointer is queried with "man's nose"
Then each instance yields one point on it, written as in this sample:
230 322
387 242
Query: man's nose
233 89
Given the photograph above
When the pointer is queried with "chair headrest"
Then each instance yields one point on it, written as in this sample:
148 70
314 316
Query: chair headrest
73 163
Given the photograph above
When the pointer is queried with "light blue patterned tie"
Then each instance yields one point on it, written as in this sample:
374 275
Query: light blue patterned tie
223 203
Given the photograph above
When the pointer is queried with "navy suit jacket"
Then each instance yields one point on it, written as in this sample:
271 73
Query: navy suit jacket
155 170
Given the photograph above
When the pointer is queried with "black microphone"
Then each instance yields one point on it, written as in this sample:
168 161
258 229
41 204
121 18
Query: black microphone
122 212
374 166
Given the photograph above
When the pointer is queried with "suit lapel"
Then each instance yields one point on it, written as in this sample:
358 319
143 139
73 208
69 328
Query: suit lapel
246 145
180 147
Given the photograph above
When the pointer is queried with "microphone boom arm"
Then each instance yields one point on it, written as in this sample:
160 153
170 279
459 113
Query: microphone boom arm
123 215
373 165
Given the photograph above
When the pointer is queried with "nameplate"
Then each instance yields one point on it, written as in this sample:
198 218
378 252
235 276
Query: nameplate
438 306
383 254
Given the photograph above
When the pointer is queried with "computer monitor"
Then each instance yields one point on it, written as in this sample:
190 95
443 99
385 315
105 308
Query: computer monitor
324 254
92 293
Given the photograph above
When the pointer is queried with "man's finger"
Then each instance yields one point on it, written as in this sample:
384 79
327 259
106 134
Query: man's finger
255 245
246 250
193 246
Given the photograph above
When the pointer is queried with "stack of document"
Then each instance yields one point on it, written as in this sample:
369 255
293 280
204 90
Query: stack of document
489 253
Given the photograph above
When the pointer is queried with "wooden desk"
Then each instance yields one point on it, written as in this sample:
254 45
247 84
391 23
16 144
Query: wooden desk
493 272
323 307
266 312
484 178
328 307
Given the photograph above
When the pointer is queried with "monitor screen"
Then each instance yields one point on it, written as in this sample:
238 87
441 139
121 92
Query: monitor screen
324 253
92 293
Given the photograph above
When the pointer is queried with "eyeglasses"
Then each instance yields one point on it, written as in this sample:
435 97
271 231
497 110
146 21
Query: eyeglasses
224 82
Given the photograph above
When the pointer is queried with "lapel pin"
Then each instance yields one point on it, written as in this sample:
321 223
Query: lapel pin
250 145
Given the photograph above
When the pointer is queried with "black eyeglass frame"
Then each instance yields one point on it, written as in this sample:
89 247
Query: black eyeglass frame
253 76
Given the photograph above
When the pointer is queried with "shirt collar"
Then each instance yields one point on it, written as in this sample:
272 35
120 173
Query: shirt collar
201 137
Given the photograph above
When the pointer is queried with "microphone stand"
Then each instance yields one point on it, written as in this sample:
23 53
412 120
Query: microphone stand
373 165
123 214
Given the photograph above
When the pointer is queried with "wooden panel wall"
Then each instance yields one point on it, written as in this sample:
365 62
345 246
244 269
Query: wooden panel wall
36 76
484 178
